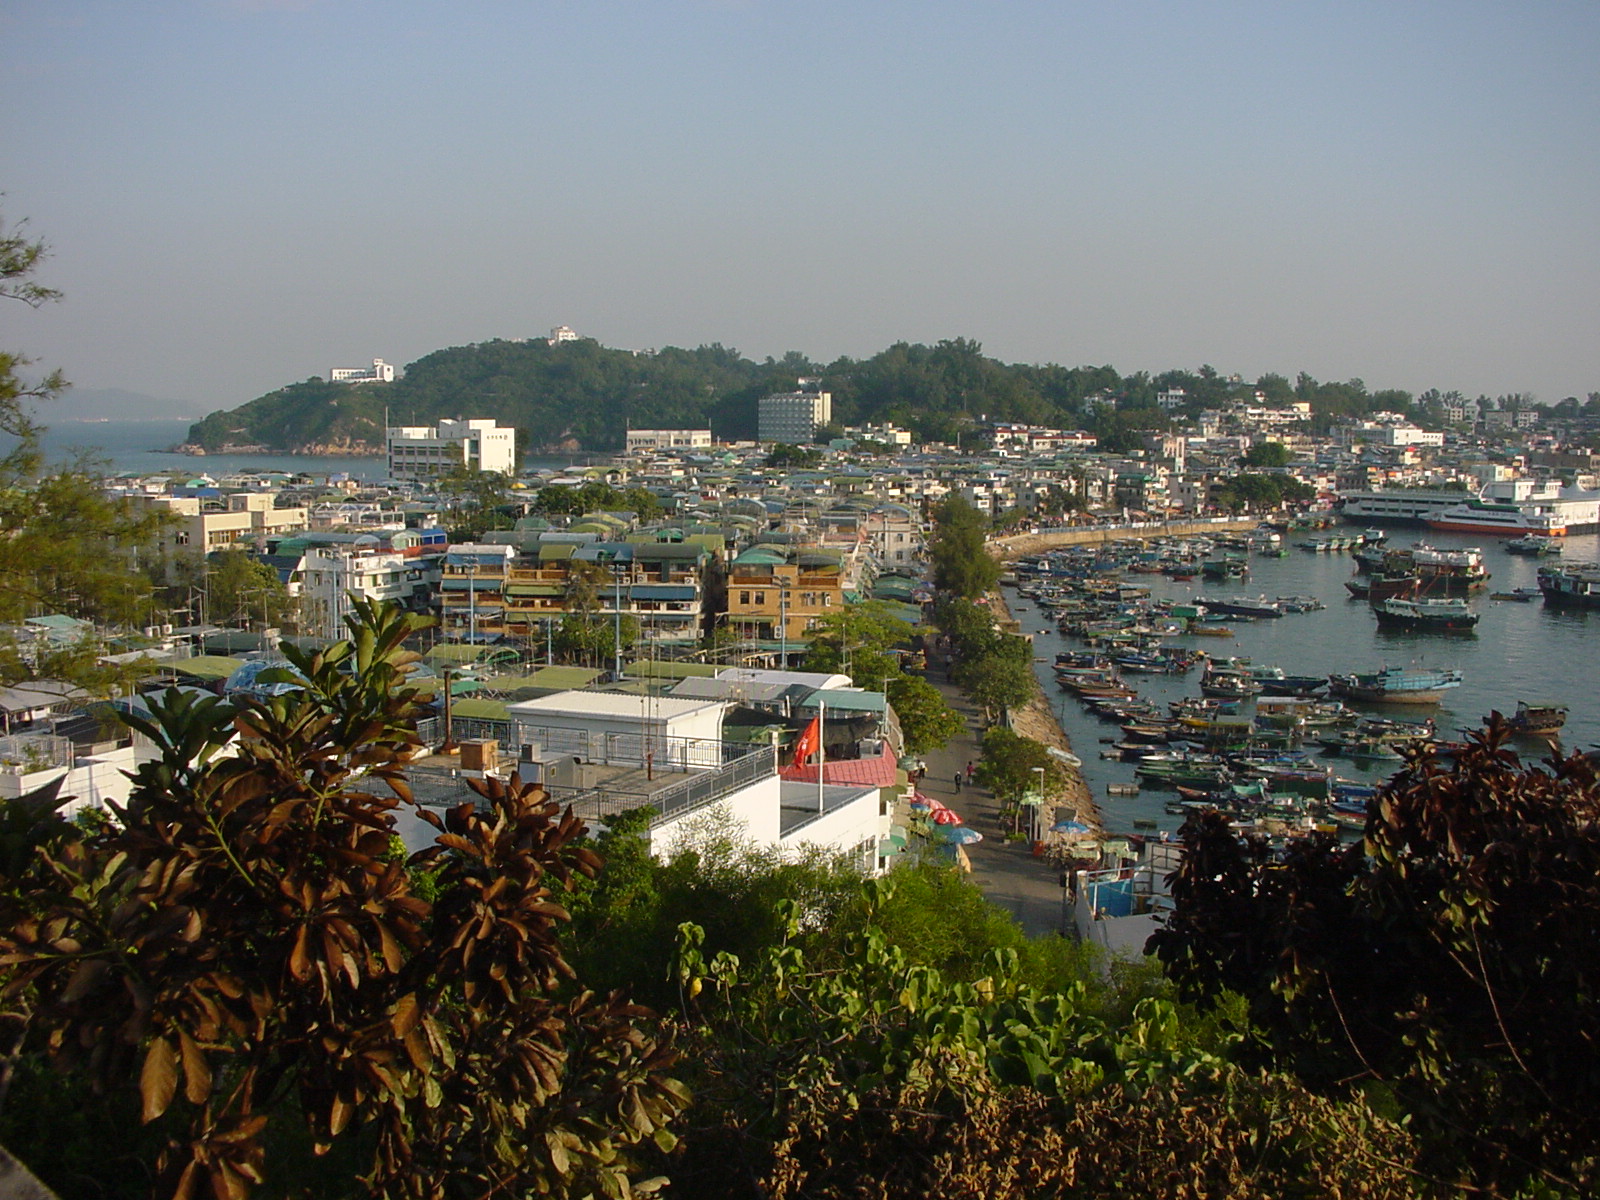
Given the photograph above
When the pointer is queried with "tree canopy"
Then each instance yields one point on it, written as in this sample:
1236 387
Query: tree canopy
1450 960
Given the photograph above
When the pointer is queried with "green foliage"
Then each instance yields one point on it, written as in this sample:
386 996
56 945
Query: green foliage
20 257
625 921
858 1067
1010 764
594 497
66 550
1451 959
1261 492
926 719
244 949
1267 454
962 565
858 640
793 458
243 589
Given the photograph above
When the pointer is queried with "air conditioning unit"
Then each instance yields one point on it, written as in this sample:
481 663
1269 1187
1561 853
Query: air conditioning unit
166 629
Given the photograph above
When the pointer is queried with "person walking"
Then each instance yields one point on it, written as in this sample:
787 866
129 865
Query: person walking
958 782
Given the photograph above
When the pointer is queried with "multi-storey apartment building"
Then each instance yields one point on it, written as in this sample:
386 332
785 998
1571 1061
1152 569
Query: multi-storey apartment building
778 594
428 451
792 418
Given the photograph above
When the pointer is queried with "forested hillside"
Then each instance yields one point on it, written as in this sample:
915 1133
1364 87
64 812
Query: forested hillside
582 395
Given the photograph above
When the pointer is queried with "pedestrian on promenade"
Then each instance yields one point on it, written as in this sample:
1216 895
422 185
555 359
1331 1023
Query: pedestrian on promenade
958 781
969 768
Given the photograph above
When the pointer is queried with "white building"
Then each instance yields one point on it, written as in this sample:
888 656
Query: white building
378 372
562 333
427 451
792 417
667 439
330 575
605 753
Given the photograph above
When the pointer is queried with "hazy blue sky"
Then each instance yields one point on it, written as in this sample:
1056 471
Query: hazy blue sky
244 193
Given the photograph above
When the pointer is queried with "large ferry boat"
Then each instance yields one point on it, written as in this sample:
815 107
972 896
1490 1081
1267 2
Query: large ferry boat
1506 508
1499 520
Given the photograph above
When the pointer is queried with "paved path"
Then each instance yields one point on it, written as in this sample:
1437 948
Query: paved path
1009 874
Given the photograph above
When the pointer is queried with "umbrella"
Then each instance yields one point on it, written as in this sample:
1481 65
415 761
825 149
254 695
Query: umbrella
959 837
1070 827
920 805
946 816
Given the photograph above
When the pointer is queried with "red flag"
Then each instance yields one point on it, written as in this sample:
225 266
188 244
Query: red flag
806 744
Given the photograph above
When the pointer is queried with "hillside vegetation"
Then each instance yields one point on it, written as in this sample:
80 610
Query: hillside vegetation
582 395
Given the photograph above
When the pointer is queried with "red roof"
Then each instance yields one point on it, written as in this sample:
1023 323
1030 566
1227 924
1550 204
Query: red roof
879 772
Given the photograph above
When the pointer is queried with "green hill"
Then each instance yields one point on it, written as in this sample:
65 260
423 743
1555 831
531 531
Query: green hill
582 395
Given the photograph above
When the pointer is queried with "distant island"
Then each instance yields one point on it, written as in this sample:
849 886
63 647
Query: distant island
577 395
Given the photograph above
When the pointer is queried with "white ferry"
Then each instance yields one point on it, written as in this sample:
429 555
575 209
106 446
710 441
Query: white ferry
1511 508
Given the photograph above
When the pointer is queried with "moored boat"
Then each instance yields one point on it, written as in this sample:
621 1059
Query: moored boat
1396 685
1446 615
1540 720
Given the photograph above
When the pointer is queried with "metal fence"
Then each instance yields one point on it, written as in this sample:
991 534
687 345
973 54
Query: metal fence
697 790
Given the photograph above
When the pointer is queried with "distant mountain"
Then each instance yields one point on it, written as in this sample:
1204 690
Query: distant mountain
116 404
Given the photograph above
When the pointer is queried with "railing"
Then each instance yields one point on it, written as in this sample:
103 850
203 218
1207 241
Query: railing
628 749
697 791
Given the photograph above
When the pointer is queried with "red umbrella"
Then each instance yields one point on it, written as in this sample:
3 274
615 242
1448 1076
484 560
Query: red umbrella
946 816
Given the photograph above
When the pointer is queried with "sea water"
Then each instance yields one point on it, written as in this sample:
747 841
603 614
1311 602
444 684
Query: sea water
1517 651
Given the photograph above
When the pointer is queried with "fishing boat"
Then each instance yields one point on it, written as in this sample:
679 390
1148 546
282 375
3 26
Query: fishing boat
1539 720
1243 606
1535 545
1521 595
1571 585
1446 615
1396 685
1380 586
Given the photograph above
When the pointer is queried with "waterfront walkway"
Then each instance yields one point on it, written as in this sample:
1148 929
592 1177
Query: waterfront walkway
1010 876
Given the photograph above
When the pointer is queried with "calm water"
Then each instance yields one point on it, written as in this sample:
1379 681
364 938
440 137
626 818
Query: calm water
1517 652
140 447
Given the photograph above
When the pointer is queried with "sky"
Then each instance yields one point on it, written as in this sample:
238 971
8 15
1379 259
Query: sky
240 194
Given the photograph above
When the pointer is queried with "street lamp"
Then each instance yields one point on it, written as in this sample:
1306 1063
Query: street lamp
1038 808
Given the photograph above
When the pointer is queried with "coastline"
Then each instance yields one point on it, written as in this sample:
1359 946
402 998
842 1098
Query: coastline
1037 720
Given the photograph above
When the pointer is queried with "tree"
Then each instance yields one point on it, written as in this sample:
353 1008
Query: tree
1266 454
1010 762
1000 678
244 590
961 561
927 721
66 549
246 956
20 257
858 641
786 457
867 1068
1450 959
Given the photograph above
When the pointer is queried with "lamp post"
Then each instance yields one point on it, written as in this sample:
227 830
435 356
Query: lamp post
1039 808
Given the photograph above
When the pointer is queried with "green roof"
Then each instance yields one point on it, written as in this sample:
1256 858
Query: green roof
207 666
479 709
839 700
452 654
671 670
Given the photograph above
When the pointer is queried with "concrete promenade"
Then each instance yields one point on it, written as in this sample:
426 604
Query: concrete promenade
1016 545
1008 873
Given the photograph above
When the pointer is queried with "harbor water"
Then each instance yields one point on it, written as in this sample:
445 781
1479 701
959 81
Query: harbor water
1518 651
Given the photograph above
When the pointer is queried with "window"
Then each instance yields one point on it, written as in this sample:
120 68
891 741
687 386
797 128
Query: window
744 597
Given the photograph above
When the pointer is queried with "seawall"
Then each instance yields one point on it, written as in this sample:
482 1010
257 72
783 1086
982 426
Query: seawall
1019 544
